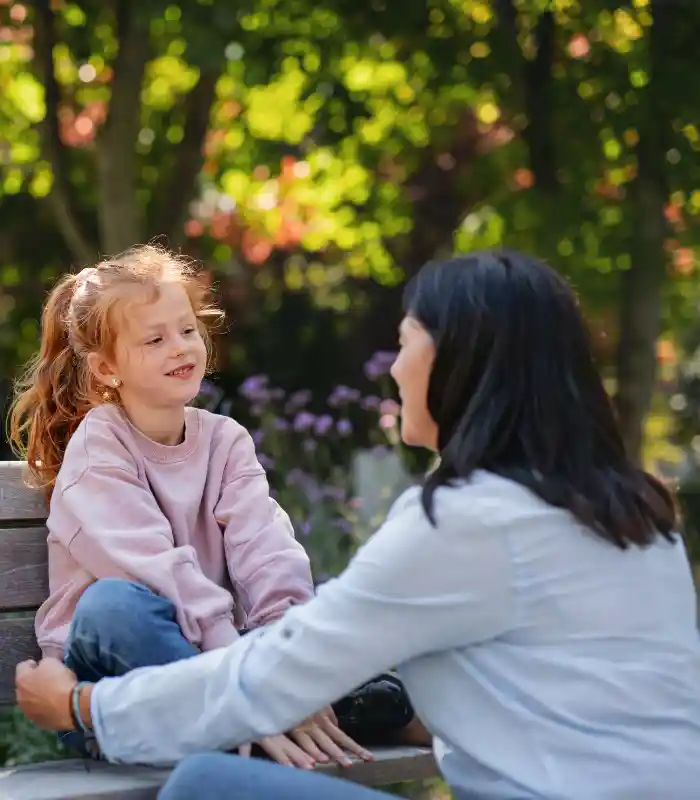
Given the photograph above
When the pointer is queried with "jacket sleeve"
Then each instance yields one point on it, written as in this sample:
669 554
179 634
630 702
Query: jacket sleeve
122 533
412 590
270 570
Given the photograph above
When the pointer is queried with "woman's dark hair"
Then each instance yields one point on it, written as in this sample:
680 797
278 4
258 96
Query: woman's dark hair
514 390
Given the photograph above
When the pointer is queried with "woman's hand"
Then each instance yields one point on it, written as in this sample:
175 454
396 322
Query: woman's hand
43 692
321 738
315 741
282 750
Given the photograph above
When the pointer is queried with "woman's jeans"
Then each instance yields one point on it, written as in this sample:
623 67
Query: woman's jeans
119 626
218 776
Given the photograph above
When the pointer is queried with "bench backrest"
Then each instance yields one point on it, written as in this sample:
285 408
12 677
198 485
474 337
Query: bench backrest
23 571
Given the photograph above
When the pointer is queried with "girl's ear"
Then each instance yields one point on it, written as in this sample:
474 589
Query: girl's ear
104 372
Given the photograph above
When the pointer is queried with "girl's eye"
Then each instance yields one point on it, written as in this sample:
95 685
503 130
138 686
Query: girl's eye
189 330
156 340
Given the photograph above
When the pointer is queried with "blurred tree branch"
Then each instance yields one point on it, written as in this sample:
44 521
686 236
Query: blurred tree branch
60 198
176 188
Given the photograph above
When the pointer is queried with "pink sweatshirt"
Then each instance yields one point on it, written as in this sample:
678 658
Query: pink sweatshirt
194 522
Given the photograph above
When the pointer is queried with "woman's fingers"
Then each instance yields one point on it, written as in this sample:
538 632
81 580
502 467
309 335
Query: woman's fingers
324 741
339 737
284 751
245 750
329 714
307 744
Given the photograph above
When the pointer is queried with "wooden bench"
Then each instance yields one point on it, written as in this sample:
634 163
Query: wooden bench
23 587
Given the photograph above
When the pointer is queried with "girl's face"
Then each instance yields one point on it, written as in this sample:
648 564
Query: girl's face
160 357
411 371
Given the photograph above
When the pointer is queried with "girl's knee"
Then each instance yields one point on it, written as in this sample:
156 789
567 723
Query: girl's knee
108 601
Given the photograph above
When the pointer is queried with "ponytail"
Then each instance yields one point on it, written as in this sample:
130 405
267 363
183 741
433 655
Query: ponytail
58 389
52 396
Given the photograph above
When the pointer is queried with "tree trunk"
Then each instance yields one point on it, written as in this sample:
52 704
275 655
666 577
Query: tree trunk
642 285
640 310
119 215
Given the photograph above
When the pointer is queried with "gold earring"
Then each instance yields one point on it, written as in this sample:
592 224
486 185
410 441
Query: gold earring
116 383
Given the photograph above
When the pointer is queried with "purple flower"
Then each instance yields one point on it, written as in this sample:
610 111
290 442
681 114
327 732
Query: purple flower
255 388
281 424
296 477
305 528
342 395
210 395
335 493
379 364
389 406
370 403
342 524
323 424
298 400
303 421
258 435
266 462
344 427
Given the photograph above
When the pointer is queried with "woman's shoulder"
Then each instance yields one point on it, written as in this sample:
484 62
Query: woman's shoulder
483 497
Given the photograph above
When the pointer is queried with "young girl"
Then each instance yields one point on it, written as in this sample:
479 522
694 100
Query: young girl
163 539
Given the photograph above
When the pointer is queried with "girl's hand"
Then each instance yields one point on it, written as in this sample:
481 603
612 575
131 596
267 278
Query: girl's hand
322 739
43 692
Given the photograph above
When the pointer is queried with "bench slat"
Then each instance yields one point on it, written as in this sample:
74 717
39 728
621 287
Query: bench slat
85 780
17 643
24 581
17 501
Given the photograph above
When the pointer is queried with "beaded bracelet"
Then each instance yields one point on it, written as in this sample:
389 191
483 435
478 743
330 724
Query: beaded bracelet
75 707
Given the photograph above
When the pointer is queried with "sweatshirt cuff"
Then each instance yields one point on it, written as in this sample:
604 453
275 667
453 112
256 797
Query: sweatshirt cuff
52 651
221 633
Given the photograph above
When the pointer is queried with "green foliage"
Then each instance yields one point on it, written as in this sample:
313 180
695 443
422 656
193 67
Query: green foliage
315 154
21 742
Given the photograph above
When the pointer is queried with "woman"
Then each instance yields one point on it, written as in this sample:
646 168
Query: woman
538 606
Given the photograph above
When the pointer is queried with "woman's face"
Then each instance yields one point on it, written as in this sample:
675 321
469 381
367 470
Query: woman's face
411 371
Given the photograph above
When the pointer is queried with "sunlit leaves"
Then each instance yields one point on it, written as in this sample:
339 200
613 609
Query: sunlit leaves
26 95
167 78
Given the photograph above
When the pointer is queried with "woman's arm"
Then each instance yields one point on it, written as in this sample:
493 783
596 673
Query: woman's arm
269 569
413 589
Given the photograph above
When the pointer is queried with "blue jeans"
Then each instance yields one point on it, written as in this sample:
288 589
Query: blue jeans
218 776
119 626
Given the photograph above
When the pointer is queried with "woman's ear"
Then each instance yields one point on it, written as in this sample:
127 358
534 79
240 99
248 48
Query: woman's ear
101 369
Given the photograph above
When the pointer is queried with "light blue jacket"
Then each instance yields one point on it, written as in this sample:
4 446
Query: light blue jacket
547 663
